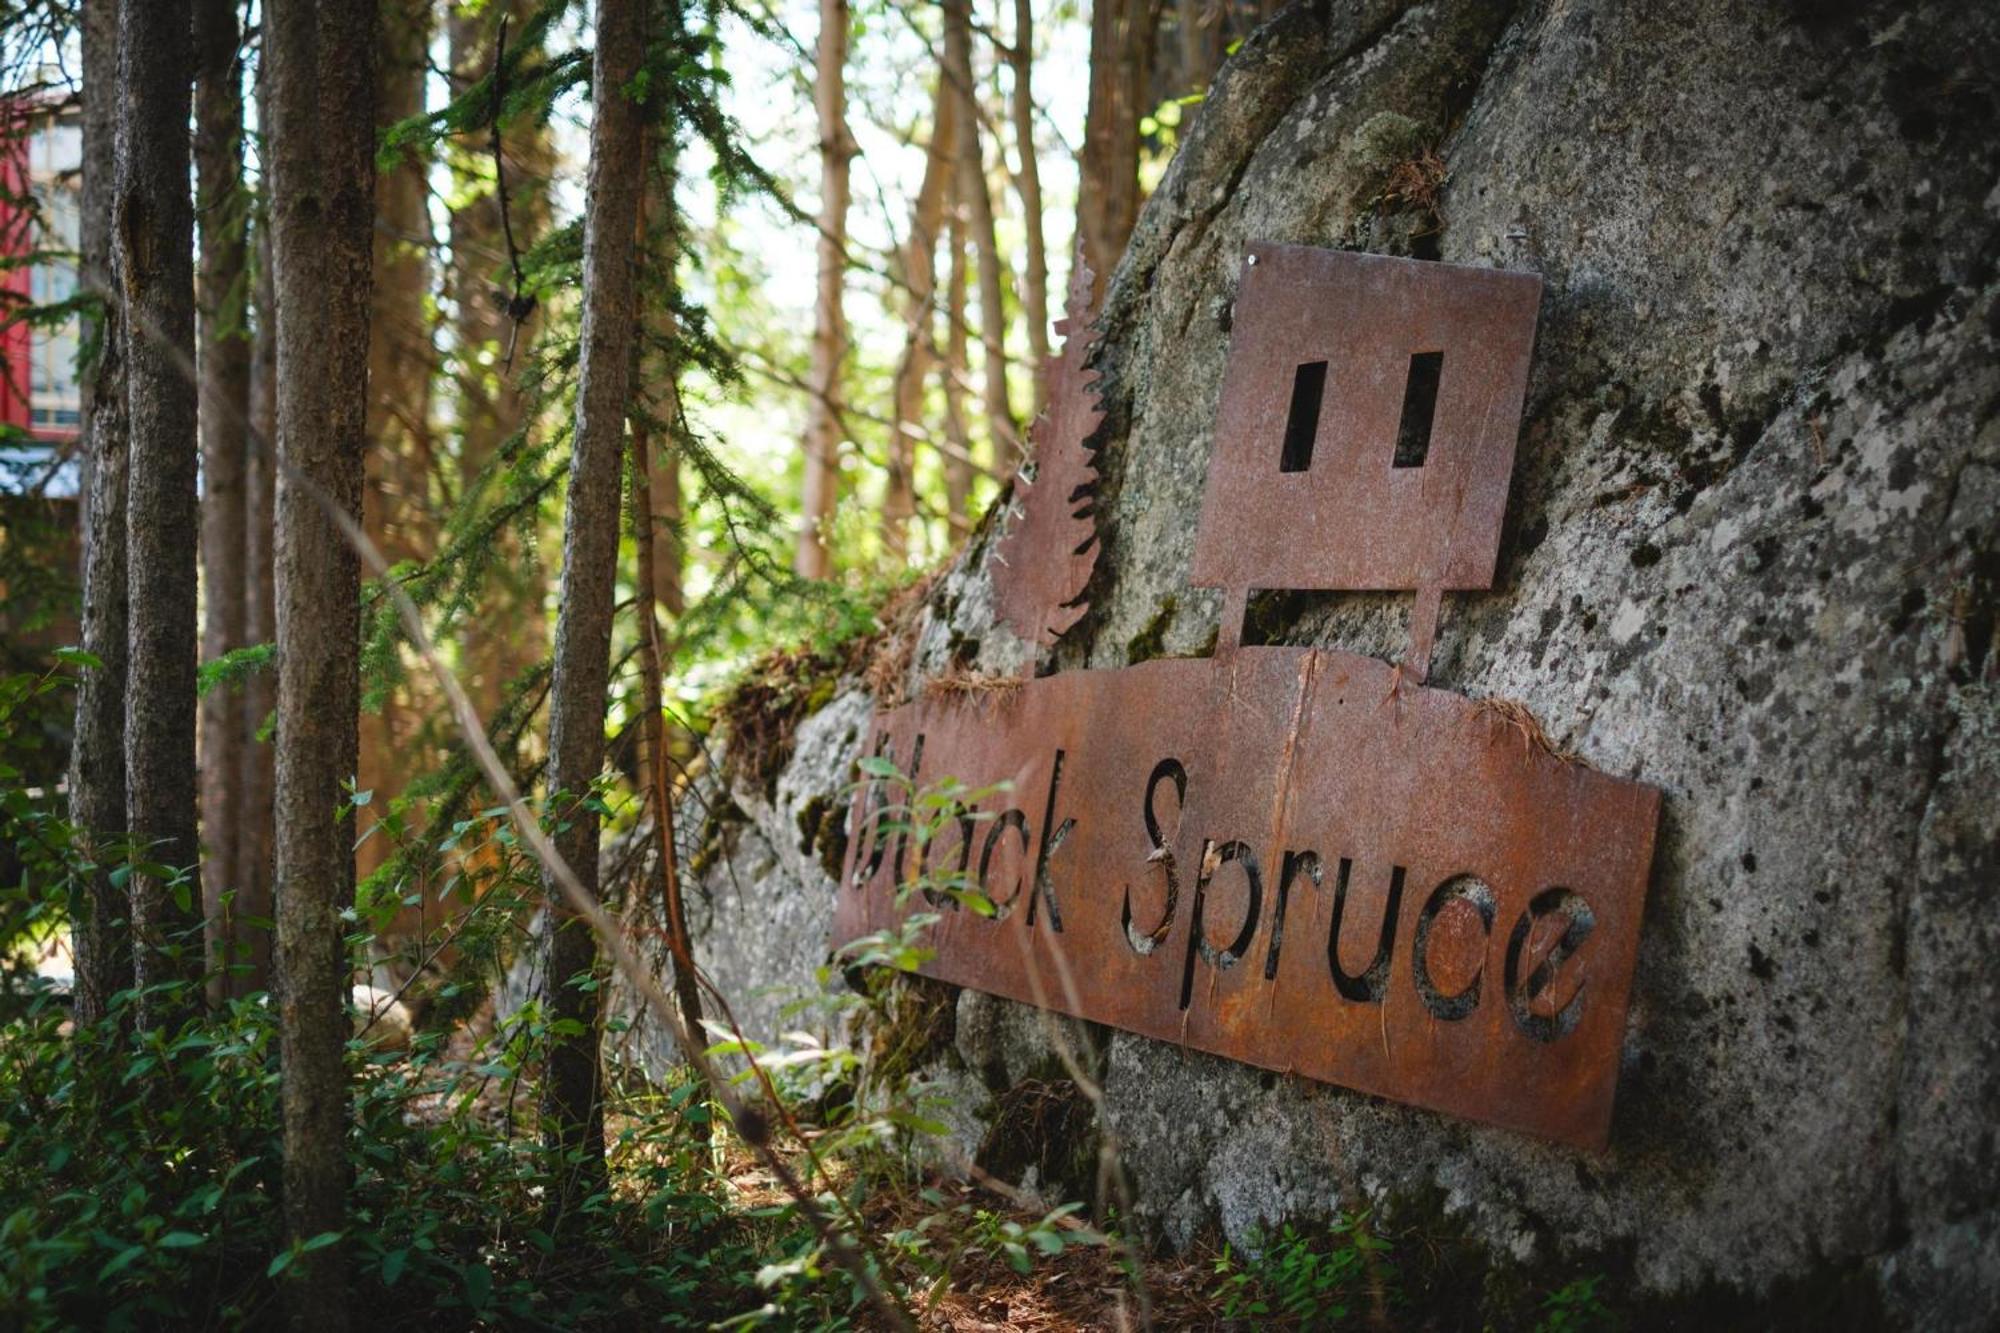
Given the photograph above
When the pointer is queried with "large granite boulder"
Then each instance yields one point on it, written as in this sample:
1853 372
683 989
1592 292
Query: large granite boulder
1752 556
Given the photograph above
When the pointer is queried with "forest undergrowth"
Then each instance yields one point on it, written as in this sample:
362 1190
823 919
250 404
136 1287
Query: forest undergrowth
141 1167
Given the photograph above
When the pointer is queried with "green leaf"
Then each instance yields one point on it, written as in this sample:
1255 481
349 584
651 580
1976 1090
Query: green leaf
478 1285
120 1261
77 657
393 1265
180 1240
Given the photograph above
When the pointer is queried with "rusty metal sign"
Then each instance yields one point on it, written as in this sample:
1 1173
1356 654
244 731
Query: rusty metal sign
1366 431
1300 858
1050 545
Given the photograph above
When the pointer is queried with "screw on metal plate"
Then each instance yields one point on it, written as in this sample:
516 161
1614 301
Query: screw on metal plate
1366 432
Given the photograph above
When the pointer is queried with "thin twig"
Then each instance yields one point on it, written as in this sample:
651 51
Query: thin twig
519 304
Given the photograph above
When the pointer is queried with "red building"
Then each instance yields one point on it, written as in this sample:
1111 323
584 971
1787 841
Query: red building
41 152
41 149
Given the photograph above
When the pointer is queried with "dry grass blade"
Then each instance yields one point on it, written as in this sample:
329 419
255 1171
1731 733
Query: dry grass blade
1513 714
959 683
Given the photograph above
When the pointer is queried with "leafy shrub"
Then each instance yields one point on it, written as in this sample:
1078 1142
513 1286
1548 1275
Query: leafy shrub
1306 1280
141 1171
1577 1307
140 1186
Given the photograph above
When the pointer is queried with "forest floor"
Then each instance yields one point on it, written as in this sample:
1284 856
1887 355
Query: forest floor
1085 1285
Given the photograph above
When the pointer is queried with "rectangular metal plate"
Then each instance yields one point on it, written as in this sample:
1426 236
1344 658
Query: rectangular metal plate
1290 857
1350 517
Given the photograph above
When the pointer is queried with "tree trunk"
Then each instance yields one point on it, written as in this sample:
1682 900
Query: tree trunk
919 258
572 1101
1199 26
488 402
656 360
829 348
395 501
1028 182
224 358
669 551
1121 62
976 205
322 157
657 576
255 835
658 763
957 459
155 244
101 937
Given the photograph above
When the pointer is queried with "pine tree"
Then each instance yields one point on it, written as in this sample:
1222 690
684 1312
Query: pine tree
322 153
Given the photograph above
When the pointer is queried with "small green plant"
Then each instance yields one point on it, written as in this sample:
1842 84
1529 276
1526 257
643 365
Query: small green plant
1577 1307
1306 1280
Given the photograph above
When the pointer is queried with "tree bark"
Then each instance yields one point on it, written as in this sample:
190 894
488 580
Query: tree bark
656 361
322 156
659 781
1028 183
155 245
101 936
224 359
1121 61
1199 27
829 347
658 244
669 551
919 259
395 502
255 834
572 1101
976 205
958 459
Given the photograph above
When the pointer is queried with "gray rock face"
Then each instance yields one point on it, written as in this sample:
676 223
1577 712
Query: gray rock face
1753 557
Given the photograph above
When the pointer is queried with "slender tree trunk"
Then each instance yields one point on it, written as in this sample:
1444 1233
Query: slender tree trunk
958 459
658 763
1028 182
656 362
101 937
255 835
829 348
155 244
224 353
919 260
395 502
658 249
572 1081
489 405
1121 63
976 204
322 156
669 551
1199 28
